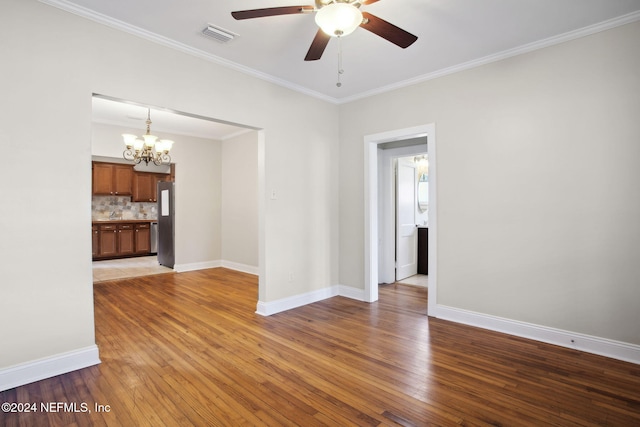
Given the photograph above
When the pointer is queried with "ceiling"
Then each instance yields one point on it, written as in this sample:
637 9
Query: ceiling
127 114
452 35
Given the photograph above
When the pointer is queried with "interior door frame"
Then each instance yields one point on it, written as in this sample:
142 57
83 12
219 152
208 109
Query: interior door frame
371 143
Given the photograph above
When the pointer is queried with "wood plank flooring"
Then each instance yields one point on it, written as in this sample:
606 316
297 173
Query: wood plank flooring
188 350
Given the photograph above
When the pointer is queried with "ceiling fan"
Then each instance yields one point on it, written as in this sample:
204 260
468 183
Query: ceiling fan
336 18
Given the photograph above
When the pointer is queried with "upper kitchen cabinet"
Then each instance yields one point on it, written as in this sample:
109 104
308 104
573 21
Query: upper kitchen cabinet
142 187
145 186
112 179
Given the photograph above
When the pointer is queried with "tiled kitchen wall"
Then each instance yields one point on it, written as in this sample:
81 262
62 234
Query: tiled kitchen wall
118 207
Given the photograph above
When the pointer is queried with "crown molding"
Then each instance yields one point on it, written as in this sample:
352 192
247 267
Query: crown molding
530 47
156 38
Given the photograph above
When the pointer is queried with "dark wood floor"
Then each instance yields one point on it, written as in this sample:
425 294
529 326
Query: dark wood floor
188 349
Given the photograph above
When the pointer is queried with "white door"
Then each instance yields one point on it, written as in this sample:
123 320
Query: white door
406 230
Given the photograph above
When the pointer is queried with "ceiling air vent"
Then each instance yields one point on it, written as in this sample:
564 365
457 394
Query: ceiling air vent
219 34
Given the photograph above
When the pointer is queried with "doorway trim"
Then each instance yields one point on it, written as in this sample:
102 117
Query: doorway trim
371 143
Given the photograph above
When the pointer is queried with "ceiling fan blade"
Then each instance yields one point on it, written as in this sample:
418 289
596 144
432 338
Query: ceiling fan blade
387 31
320 42
271 11
368 1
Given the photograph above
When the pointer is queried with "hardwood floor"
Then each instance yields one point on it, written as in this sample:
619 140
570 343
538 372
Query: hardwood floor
188 349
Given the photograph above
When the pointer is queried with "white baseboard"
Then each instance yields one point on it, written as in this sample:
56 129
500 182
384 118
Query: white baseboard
244 268
587 343
250 269
181 268
351 292
273 307
48 367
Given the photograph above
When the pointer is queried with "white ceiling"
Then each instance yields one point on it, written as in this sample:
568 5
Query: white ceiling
134 116
452 35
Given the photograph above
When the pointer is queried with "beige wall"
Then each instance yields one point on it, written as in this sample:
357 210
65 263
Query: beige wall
239 201
537 175
45 129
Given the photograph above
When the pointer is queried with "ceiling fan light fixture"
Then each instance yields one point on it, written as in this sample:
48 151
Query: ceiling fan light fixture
339 19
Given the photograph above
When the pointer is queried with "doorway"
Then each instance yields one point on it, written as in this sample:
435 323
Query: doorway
199 142
411 219
372 154
403 216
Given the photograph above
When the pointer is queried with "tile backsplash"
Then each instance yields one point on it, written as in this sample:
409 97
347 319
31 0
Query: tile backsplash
119 207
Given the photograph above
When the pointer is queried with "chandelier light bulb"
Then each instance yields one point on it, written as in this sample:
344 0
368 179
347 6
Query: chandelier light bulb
165 145
149 140
129 139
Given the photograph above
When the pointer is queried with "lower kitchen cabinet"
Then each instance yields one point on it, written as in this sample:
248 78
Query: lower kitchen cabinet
120 240
107 240
143 238
95 241
126 239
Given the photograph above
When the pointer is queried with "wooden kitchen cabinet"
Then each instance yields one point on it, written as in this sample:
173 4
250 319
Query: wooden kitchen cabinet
107 240
143 238
126 244
145 186
159 177
95 241
121 239
102 178
122 176
112 179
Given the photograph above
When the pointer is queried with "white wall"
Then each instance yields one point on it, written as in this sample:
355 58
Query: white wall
45 129
538 201
239 202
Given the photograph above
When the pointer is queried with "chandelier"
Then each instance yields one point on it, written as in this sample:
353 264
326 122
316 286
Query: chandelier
148 149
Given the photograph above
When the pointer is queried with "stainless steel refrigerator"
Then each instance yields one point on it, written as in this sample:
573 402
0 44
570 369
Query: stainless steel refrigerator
166 223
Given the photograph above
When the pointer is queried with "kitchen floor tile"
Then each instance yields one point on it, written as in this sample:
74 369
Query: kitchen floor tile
127 267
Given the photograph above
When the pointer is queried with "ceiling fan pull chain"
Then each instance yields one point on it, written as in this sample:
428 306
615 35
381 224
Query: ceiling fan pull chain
340 70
